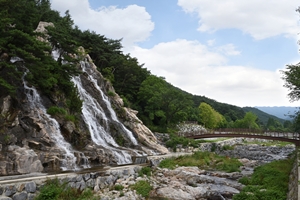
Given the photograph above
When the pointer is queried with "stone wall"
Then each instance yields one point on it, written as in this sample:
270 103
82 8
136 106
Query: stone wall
293 180
96 181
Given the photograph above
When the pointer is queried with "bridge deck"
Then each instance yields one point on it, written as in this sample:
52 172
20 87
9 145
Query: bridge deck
286 137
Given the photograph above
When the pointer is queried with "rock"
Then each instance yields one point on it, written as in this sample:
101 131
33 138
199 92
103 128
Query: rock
10 190
31 196
30 187
144 134
5 105
173 193
25 160
20 196
69 126
5 198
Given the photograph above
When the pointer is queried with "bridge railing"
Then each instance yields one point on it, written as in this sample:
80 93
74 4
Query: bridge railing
295 136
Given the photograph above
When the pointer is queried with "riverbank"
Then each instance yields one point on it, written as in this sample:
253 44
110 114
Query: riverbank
179 183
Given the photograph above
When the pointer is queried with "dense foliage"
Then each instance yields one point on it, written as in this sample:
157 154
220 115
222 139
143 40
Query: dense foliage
269 181
160 105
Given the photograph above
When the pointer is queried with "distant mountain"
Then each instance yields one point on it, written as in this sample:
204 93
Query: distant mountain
283 112
262 115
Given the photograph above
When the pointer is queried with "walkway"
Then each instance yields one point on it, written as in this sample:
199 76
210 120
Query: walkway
246 133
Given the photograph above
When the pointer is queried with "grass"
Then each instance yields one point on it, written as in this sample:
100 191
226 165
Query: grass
145 171
269 181
142 187
203 160
269 143
55 190
118 187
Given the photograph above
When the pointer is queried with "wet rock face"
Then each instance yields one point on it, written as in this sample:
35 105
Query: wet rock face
23 129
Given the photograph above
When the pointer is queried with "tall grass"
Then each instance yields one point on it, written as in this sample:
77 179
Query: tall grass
203 160
269 181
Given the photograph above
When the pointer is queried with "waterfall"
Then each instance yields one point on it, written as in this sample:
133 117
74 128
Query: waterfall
52 127
96 119
106 101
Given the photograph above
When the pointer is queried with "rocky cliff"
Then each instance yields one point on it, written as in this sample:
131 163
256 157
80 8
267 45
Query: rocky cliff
103 133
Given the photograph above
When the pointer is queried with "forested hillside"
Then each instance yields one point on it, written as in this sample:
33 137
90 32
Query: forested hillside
160 105
283 112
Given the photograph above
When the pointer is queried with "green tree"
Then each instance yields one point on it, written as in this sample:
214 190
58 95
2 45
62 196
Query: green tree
19 42
291 76
209 117
161 103
249 122
274 124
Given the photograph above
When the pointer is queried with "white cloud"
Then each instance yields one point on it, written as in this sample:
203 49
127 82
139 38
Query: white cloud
132 23
194 68
228 49
260 19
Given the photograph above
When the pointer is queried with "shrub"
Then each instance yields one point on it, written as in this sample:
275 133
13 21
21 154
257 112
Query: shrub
54 110
142 187
269 181
111 93
119 187
184 142
55 190
145 171
71 118
213 147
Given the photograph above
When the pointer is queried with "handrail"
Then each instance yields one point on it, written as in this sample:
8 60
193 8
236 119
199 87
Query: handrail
282 136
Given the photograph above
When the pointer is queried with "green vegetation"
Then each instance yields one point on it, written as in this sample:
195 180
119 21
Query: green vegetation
203 160
269 181
55 190
160 105
118 187
54 111
175 141
210 118
145 171
248 122
142 187
227 147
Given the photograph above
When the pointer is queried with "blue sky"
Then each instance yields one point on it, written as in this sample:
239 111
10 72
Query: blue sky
230 50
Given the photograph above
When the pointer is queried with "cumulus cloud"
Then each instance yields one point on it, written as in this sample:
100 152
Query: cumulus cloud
259 19
197 69
132 24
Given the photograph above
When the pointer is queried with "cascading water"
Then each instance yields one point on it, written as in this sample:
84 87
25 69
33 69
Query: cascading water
52 127
96 119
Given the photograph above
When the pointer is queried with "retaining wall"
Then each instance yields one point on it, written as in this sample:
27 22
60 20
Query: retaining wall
293 180
96 180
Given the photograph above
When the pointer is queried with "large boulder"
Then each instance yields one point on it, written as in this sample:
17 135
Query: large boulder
22 161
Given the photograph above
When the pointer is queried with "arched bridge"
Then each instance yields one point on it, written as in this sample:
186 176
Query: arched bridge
245 133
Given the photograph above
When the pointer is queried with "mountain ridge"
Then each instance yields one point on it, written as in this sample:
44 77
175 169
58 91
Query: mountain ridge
283 112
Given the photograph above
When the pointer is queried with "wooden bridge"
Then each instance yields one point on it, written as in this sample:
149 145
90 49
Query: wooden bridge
245 133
